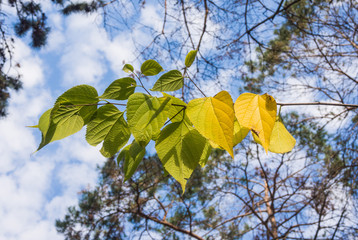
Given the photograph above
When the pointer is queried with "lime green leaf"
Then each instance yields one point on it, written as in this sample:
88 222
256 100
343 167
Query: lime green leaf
120 89
81 94
240 132
123 154
108 126
146 115
128 68
72 111
44 122
214 118
165 172
177 110
189 59
180 148
205 155
150 68
281 140
64 127
258 113
61 111
132 156
170 81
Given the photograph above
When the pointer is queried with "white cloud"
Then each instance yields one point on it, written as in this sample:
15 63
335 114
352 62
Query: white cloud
118 51
38 188
152 18
83 60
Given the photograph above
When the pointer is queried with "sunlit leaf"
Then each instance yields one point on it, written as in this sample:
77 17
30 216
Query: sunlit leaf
81 94
214 145
205 154
189 59
281 140
110 127
73 109
177 110
150 68
240 132
65 127
258 113
120 89
214 118
180 148
132 155
128 68
170 81
146 115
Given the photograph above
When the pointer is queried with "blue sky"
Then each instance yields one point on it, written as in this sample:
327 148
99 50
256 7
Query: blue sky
37 188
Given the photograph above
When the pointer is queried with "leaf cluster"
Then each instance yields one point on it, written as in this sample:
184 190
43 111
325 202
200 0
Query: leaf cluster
184 133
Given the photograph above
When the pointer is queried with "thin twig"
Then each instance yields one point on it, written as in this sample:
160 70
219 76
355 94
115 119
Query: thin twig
204 25
319 103
260 23
186 23
196 86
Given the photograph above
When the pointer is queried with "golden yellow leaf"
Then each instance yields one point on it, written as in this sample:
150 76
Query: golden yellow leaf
258 113
214 145
214 118
281 140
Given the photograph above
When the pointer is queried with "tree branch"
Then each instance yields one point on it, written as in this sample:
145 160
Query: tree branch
319 103
168 224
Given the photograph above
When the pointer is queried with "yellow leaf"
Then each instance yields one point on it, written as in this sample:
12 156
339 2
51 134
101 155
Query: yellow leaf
214 145
240 132
258 113
281 140
214 118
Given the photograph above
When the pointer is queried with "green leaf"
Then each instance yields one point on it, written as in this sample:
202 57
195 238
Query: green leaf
180 148
110 127
44 123
205 155
81 94
214 118
120 89
73 109
132 156
177 110
170 81
66 126
128 68
150 68
240 132
146 115
189 59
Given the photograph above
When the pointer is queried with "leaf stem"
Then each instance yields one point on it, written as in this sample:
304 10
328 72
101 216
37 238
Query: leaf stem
175 116
94 104
142 84
196 86
179 105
